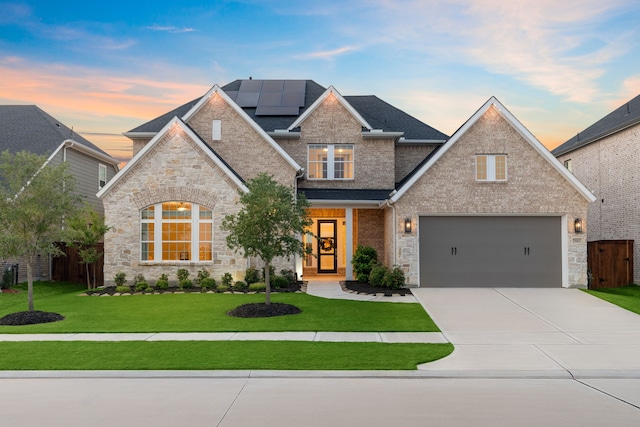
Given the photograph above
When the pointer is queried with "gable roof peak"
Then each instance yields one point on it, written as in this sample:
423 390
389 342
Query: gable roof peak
331 91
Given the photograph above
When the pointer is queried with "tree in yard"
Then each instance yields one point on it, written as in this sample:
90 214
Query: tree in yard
88 229
269 223
34 200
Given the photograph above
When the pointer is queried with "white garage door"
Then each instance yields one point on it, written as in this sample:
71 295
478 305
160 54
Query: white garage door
485 251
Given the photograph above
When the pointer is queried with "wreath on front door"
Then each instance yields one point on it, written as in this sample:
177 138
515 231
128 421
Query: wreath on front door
326 244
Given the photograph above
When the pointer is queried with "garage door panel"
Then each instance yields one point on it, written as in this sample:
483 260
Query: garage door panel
490 251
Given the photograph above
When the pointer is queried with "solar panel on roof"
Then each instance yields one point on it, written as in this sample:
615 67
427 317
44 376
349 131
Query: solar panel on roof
293 99
251 86
272 86
270 99
248 99
277 111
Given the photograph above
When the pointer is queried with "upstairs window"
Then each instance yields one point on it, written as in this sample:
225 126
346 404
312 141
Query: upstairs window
491 167
102 176
216 130
330 161
176 231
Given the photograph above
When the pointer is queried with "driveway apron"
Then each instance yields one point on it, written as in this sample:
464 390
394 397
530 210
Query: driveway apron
530 332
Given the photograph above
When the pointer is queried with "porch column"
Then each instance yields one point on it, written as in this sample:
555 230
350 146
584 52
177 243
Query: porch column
349 224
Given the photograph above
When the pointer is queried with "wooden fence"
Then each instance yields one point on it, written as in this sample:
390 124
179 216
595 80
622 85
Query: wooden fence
610 263
69 269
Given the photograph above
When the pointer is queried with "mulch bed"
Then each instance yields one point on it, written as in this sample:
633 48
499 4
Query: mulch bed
260 309
111 290
365 288
30 318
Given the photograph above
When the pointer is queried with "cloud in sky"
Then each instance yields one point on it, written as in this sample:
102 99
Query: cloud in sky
328 54
170 29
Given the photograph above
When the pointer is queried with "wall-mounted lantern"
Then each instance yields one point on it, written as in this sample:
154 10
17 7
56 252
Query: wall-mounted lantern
577 226
407 225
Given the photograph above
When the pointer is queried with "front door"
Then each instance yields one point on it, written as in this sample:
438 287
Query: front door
327 246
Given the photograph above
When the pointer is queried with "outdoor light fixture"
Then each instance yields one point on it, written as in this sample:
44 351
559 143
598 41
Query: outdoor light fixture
577 225
182 207
407 225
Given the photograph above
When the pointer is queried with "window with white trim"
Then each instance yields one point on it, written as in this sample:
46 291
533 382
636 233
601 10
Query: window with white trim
216 130
102 175
330 161
491 167
176 231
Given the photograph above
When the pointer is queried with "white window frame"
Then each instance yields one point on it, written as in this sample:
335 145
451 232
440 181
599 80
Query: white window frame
157 237
102 175
491 167
216 130
331 161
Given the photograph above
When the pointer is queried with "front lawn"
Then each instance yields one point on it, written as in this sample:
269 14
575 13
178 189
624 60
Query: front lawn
626 297
206 355
206 313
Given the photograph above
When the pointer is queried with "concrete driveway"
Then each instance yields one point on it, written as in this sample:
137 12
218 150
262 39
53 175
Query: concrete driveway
547 333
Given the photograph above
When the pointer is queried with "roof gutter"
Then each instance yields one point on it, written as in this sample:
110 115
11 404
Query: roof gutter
70 143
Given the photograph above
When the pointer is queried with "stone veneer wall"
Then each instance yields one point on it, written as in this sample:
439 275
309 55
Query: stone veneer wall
174 169
449 187
331 123
610 168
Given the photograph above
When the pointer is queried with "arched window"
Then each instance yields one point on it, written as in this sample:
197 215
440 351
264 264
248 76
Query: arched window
176 231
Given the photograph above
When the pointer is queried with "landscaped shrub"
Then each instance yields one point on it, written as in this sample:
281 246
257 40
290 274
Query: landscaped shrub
279 282
251 275
208 283
394 279
202 274
162 283
223 288
120 279
258 287
185 284
227 280
240 286
7 279
182 274
140 283
363 261
377 275
123 289
290 275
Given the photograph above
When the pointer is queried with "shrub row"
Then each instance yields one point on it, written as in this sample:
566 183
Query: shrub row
368 269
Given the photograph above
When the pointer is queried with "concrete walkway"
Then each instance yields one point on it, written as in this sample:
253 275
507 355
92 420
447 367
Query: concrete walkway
510 332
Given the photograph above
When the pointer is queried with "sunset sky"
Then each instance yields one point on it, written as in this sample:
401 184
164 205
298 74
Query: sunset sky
106 67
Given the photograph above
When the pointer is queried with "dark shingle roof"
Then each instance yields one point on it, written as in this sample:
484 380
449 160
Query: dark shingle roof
621 118
379 114
344 194
29 128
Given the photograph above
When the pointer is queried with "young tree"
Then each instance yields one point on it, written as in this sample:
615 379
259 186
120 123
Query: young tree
269 224
88 229
34 200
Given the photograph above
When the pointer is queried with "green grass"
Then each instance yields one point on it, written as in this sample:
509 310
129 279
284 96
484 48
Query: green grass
207 355
627 297
206 313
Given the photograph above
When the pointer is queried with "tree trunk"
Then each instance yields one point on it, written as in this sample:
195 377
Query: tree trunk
267 291
86 265
30 282
94 275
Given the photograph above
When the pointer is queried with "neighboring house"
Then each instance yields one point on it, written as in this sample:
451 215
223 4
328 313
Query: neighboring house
489 206
29 128
606 158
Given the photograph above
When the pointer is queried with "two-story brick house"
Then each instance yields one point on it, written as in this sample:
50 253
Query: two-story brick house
374 175
606 158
